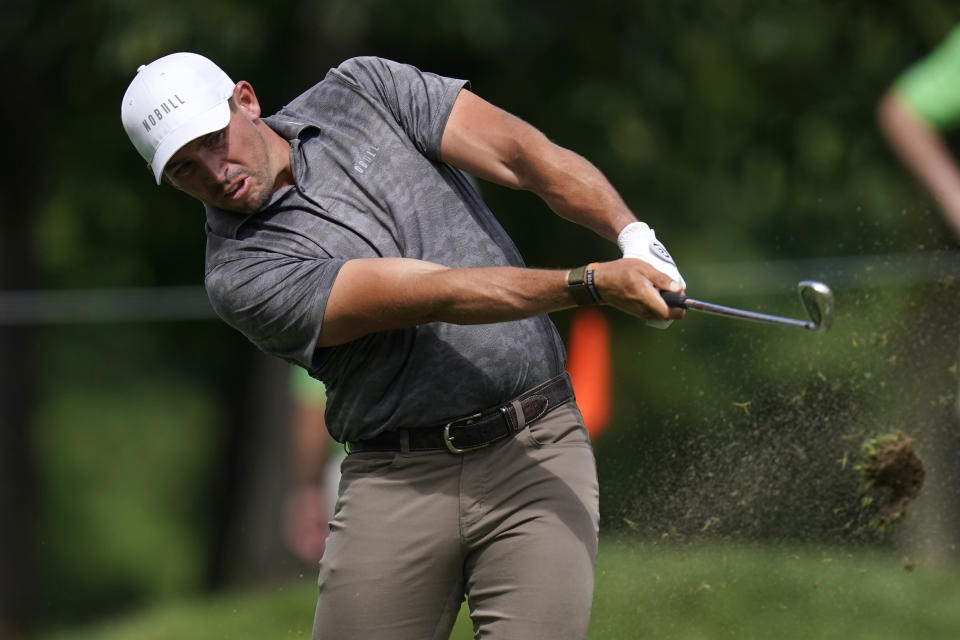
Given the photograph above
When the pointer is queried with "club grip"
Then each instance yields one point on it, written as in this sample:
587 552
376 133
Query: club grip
673 299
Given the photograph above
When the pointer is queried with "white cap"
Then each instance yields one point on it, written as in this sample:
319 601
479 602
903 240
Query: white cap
171 101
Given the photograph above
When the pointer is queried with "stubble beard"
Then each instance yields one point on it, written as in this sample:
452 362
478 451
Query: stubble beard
260 183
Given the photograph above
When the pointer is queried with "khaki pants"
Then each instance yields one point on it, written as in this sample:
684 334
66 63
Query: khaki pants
512 526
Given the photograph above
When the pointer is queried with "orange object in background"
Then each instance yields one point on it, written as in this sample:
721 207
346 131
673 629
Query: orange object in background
589 362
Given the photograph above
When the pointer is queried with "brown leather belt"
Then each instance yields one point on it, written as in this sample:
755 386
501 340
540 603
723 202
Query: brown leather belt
478 430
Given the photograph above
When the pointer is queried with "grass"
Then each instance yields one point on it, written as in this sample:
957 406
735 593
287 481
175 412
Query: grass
770 592
646 591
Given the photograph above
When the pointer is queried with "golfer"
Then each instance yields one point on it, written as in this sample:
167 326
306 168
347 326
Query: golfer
344 236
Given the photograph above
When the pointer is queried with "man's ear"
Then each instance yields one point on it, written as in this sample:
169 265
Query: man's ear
245 99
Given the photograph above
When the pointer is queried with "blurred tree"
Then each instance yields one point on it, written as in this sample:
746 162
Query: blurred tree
35 83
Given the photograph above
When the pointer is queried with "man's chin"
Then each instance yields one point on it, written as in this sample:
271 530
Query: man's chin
245 205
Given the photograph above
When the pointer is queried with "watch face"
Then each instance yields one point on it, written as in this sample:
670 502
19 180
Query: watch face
579 288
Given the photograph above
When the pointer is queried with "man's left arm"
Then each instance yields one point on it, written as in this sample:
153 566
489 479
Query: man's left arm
494 145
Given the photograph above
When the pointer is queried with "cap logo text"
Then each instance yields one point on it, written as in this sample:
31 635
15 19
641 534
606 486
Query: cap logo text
165 107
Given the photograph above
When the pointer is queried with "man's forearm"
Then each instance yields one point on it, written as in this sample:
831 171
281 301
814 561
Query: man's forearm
575 189
380 294
495 145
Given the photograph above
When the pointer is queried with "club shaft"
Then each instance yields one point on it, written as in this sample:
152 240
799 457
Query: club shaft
720 310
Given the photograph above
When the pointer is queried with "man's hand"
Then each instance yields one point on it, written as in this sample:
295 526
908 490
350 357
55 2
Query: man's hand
637 240
634 287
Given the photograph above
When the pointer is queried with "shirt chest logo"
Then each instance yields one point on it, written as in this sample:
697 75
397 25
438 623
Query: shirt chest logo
365 158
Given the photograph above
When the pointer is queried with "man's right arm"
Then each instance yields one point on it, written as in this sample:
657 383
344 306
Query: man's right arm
287 306
379 294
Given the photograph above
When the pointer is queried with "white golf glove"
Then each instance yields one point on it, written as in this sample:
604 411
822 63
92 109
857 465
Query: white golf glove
637 240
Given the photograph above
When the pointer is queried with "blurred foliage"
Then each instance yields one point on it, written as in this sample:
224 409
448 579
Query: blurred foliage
129 442
118 493
739 129
742 130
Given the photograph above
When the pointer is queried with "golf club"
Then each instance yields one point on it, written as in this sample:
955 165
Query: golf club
816 298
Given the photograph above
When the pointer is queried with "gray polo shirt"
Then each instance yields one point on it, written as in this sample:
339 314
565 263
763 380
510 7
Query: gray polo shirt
365 149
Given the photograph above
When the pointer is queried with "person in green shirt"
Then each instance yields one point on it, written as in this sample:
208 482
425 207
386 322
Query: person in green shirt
914 114
314 470
922 104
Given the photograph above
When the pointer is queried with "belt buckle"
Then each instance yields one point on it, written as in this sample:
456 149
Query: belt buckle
448 438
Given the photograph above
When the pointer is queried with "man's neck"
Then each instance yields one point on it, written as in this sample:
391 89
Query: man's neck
280 151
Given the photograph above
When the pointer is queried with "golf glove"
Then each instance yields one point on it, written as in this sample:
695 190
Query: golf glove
637 240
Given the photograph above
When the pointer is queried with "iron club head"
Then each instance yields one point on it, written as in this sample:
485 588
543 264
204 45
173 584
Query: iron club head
817 299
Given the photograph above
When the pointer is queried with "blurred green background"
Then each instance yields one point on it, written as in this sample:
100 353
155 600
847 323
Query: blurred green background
141 443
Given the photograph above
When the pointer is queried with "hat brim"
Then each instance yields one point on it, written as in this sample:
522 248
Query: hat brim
211 120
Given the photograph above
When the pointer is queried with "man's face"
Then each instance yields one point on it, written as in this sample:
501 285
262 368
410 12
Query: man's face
232 168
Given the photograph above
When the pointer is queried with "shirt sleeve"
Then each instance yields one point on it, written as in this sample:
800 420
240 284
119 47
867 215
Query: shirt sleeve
277 301
932 85
420 102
